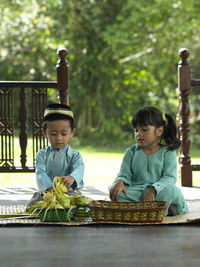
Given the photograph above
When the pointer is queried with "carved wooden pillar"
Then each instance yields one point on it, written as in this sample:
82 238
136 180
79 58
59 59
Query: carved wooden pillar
39 103
23 126
62 76
178 117
184 83
6 128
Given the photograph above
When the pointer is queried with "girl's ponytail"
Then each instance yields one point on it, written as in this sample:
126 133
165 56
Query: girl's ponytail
170 133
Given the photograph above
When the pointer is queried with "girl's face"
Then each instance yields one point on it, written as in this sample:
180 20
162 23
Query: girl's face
59 133
148 137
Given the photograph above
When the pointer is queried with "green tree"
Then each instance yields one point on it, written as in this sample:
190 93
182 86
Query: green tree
122 54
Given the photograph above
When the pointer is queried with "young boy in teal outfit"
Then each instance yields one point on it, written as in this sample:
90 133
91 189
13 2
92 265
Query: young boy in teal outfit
58 159
149 168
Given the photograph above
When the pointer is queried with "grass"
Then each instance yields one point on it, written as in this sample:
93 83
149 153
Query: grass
101 167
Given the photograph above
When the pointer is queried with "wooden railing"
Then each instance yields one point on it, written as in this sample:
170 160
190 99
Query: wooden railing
37 94
183 117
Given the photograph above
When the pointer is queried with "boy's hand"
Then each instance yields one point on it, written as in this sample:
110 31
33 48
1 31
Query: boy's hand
50 189
149 195
67 180
116 189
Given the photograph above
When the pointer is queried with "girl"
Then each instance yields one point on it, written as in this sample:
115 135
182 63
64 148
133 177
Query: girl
149 168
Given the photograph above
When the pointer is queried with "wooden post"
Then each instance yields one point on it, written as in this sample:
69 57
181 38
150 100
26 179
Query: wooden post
23 126
184 83
62 76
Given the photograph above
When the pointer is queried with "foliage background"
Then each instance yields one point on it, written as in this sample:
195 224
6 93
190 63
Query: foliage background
123 55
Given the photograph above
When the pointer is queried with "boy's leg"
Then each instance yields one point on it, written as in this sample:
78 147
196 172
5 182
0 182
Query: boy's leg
37 196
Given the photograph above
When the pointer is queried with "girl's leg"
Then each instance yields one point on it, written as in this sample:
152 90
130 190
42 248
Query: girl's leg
133 194
174 197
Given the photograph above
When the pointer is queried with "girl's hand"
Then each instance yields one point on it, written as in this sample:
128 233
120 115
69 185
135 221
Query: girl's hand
149 195
67 180
116 189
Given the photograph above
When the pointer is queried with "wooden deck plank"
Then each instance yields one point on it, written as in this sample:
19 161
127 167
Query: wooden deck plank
100 246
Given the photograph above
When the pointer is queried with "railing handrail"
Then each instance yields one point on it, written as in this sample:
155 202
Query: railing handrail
29 84
39 102
195 82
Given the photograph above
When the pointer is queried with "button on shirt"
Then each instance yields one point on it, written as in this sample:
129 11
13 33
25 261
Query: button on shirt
51 162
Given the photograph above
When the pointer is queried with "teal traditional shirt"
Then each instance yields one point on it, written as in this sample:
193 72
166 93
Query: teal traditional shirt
159 170
51 162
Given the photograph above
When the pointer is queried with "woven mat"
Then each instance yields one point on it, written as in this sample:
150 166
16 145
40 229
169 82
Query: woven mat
193 216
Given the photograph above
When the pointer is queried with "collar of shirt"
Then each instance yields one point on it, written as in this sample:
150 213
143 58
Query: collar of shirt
138 147
61 149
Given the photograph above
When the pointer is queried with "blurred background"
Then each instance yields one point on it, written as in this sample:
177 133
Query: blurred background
123 55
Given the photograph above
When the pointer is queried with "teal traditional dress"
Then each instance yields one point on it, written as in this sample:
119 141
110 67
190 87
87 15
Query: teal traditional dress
139 171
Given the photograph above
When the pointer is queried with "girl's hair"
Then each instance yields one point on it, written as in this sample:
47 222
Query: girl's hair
153 116
55 112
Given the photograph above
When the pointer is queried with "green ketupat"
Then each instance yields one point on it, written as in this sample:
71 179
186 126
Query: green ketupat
65 202
82 201
58 199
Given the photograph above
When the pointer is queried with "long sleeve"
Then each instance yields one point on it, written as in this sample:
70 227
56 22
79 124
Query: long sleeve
43 180
125 174
169 175
77 169
51 162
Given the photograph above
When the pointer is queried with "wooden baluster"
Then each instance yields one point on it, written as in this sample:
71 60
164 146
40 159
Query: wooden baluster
6 128
184 83
23 126
178 117
62 76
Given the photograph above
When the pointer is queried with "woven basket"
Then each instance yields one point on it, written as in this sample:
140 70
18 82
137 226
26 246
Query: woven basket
56 215
128 212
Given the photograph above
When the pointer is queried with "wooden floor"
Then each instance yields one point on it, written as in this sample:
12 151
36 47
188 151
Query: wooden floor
100 245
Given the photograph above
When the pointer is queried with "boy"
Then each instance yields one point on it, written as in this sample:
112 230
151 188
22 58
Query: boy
58 159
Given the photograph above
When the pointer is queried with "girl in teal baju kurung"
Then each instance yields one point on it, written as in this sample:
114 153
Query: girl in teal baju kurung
149 169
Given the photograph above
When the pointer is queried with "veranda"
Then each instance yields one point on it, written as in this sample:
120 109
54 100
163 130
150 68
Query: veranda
89 245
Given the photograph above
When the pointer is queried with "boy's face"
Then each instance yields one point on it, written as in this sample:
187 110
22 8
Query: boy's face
59 133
